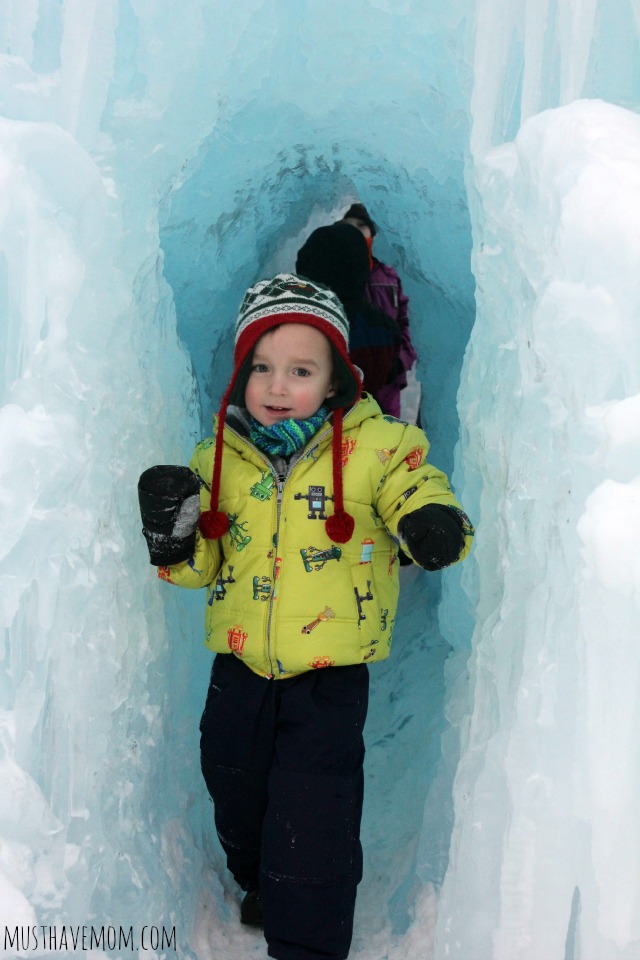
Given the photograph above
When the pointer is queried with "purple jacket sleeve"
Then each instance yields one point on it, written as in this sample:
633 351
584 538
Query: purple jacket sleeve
385 290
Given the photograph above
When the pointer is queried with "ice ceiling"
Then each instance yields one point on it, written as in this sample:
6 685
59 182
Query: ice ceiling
156 158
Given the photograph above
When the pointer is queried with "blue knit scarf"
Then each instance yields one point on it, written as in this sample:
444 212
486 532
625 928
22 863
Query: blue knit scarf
284 438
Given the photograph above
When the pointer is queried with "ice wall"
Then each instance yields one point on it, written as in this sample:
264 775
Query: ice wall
544 854
155 159
544 851
85 659
96 702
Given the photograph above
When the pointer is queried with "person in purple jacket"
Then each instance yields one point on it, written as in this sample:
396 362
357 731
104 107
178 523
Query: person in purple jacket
384 289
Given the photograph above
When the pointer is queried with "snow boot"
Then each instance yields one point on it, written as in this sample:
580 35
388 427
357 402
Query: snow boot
251 909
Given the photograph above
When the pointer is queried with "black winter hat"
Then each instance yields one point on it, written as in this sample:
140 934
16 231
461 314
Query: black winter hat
338 257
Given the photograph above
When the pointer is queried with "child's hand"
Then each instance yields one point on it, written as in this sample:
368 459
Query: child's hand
433 535
170 508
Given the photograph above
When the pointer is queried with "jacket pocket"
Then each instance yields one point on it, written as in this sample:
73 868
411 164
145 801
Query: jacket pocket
375 600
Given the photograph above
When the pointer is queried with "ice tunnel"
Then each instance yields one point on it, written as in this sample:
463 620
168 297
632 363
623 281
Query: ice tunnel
157 159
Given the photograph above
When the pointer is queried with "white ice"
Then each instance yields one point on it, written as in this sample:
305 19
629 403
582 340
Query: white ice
155 159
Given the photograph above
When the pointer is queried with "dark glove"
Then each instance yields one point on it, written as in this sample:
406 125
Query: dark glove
170 508
433 535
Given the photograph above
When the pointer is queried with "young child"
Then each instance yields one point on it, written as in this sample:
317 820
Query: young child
306 491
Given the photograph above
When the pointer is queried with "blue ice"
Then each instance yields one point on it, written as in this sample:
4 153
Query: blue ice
157 158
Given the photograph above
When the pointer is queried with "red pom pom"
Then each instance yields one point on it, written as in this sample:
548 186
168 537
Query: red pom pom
340 526
213 525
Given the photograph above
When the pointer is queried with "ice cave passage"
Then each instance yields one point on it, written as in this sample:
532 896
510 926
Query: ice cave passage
424 232
158 158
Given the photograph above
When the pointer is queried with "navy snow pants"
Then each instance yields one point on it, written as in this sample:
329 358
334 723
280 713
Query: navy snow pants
282 760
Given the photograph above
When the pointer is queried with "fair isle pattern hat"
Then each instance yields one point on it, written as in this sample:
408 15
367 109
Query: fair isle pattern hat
282 299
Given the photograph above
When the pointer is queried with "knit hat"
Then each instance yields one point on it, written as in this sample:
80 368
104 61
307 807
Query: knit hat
358 211
337 256
270 303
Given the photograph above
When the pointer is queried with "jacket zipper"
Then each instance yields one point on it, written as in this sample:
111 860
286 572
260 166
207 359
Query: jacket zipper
280 481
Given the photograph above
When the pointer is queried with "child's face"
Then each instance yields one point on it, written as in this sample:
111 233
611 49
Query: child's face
291 374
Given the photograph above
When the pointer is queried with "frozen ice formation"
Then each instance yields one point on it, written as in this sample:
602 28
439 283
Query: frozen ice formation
157 158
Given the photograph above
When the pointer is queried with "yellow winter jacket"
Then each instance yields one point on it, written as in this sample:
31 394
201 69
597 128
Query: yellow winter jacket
282 596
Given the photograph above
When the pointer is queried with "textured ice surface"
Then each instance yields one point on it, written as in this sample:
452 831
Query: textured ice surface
155 159
546 836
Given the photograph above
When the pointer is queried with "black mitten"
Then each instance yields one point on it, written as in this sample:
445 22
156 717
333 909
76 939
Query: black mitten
170 508
433 535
